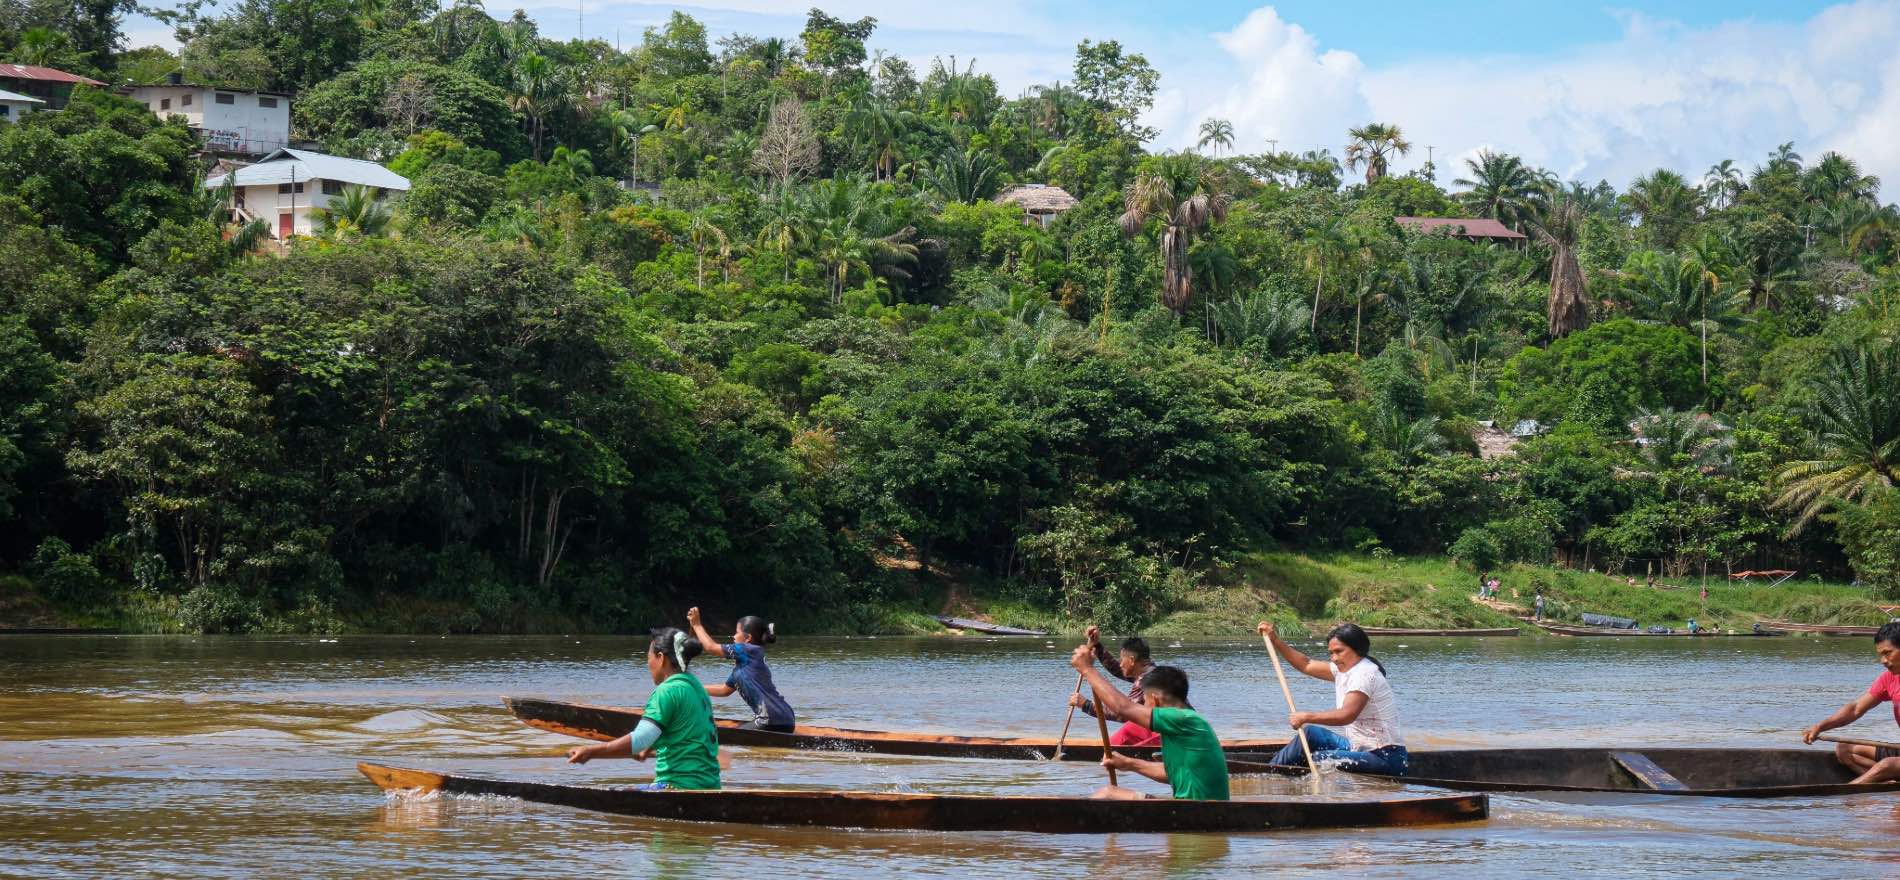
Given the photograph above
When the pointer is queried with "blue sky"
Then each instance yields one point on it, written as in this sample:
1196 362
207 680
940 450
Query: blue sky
1590 90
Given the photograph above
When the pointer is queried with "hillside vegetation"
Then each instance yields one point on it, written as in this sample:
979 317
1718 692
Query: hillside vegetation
732 322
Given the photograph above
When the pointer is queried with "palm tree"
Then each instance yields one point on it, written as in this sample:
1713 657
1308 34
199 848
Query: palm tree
875 123
1184 194
1373 146
1218 132
1410 440
43 46
1853 422
1836 177
357 213
220 207
1784 158
1682 291
1666 202
1324 245
1503 188
1670 438
1723 183
1567 309
966 175
538 88
629 128
573 167
858 225
783 225
703 235
1267 321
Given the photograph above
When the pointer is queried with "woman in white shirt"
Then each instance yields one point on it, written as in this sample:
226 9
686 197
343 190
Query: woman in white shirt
1365 707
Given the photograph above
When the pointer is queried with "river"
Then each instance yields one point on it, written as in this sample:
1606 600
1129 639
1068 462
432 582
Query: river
233 757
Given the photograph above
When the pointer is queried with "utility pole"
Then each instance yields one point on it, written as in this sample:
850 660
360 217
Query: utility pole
1273 146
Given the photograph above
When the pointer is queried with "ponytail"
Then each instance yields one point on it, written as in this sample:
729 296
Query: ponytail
758 629
674 644
1350 635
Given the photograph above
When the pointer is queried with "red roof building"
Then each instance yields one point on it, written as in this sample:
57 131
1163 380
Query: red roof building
54 87
1471 228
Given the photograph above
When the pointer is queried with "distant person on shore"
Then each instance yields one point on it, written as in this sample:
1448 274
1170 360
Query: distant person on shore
1693 629
1540 604
1129 664
676 726
1705 594
1874 764
1192 763
1364 706
750 677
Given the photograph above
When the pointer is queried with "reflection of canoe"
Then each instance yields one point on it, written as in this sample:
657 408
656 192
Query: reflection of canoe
605 723
988 629
1565 630
1826 629
1749 773
1390 631
931 812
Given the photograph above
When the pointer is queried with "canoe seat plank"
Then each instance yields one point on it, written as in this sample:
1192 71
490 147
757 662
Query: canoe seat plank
1646 772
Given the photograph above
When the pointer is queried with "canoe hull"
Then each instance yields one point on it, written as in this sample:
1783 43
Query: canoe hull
988 629
1474 633
1733 773
603 723
1566 630
891 811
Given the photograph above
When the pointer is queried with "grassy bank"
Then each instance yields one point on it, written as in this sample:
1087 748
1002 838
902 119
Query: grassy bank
1433 592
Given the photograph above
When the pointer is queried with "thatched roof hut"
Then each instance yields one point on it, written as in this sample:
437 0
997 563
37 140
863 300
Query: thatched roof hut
1040 201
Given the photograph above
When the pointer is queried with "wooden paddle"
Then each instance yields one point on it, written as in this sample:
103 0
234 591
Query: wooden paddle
1280 674
1101 721
1855 741
1079 678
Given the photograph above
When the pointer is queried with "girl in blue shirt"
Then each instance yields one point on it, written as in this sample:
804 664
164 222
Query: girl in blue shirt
750 677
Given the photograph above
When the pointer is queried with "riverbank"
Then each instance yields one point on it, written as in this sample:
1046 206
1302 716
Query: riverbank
1300 591
1316 591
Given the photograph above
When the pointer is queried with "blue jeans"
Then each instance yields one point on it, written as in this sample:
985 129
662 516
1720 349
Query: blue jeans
1332 748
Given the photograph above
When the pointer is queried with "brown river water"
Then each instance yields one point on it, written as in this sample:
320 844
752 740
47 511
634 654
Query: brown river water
233 757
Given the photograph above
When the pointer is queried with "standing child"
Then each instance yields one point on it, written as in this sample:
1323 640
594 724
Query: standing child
750 677
676 726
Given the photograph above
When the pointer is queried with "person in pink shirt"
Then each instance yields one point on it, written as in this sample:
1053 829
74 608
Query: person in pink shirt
1874 764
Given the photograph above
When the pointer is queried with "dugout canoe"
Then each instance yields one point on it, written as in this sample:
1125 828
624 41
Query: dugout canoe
1825 629
1703 772
988 629
1567 630
931 812
604 723
1479 633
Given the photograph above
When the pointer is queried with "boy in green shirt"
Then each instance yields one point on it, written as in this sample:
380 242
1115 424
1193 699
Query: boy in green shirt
677 724
1192 763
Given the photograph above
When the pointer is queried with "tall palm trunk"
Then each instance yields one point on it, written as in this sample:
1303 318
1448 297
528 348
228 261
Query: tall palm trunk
1316 287
1178 285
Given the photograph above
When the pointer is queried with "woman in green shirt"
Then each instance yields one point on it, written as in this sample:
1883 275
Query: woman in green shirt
676 727
1192 763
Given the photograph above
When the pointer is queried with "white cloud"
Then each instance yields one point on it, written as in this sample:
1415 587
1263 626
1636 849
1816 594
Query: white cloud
1661 95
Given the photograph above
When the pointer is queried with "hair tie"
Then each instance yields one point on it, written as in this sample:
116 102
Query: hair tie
679 649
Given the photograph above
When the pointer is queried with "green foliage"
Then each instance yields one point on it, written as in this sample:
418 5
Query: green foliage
681 324
1614 368
450 101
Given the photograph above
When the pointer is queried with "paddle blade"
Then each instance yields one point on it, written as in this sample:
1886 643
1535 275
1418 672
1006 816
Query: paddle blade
400 779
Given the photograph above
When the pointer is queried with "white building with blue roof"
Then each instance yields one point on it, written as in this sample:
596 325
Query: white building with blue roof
286 185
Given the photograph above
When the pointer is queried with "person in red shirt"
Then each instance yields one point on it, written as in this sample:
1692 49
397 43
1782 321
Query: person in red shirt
1130 664
1874 764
